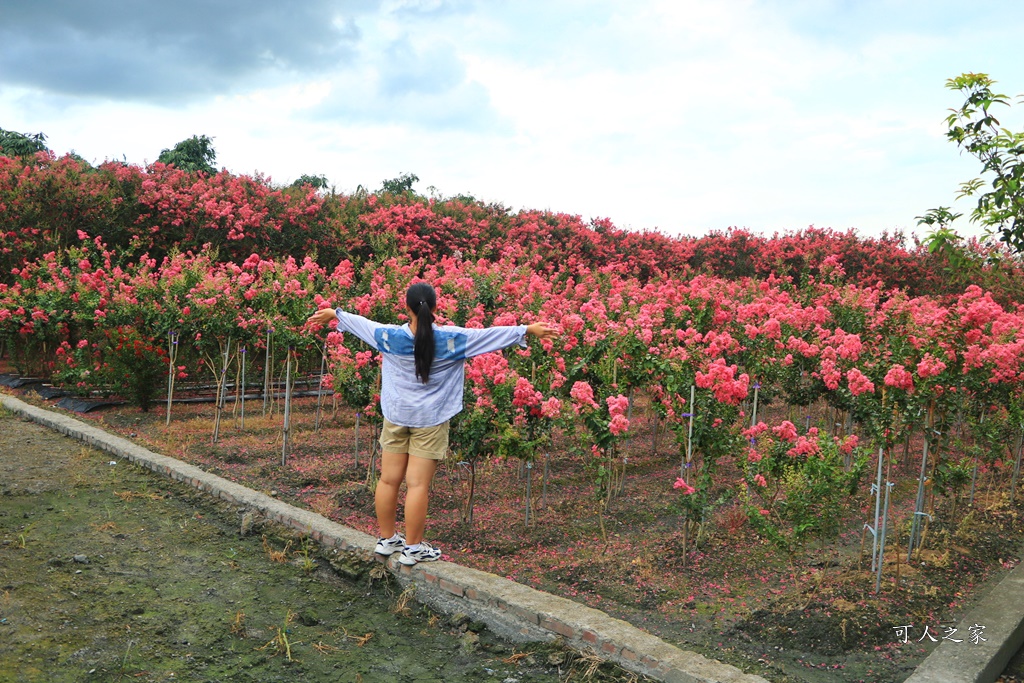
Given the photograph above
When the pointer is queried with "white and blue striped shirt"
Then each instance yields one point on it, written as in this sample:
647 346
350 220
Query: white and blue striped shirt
404 399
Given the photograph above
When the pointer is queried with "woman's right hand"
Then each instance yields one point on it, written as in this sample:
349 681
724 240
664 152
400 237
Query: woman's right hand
542 330
325 316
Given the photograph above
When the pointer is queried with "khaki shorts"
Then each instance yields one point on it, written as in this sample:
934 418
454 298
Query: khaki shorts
423 442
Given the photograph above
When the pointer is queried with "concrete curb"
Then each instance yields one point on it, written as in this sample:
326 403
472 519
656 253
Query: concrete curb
510 609
1001 612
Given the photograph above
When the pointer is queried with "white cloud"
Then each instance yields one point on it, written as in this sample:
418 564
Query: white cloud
683 114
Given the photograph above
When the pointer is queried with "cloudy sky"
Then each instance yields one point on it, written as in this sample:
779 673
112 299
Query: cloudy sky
678 115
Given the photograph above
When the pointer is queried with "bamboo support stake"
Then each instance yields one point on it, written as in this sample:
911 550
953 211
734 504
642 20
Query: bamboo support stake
266 373
172 370
924 536
242 424
220 392
357 440
896 547
753 415
287 408
654 437
974 473
544 484
915 523
529 479
320 390
689 434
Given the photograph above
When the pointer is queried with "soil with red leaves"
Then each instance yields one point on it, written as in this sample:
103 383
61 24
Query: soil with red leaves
809 616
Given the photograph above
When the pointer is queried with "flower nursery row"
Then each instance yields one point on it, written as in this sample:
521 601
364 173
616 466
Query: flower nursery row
707 353
50 204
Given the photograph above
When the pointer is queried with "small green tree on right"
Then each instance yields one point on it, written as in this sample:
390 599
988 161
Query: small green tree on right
1000 190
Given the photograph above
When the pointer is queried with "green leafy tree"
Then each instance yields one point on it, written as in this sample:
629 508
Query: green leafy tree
318 182
192 155
400 185
1000 192
21 144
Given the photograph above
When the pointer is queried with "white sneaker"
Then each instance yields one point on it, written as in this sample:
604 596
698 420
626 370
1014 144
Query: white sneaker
424 553
390 546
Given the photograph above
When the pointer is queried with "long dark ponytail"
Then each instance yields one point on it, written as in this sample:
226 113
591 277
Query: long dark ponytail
422 300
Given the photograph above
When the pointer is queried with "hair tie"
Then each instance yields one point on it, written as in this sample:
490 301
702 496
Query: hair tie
422 302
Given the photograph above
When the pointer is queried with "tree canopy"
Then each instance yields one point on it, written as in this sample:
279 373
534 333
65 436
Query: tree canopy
1000 190
192 155
21 144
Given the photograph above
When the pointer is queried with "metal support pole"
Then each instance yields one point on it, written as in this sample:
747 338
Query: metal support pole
915 524
881 548
877 488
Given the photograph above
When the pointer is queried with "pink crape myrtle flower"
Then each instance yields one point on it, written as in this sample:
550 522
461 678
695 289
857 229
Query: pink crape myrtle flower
930 366
899 378
785 431
848 444
859 382
618 425
760 480
683 487
805 445
617 405
524 395
721 378
583 394
551 408
755 431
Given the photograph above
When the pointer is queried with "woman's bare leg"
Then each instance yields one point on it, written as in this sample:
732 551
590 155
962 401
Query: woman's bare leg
418 475
392 472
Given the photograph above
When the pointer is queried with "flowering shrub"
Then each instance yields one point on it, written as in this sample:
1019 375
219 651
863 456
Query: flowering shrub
791 494
137 364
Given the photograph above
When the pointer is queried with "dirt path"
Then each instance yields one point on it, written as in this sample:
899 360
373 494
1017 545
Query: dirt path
109 573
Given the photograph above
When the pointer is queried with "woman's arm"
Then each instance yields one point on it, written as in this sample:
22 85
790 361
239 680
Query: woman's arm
479 341
346 322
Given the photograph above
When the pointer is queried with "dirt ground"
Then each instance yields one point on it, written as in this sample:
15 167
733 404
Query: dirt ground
110 573
808 618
